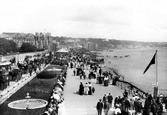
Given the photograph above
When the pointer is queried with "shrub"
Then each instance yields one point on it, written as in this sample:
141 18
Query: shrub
47 75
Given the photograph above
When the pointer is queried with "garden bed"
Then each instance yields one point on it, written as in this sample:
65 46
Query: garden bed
37 88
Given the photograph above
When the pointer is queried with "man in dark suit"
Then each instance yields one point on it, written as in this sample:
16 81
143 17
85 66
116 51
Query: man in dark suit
110 98
99 107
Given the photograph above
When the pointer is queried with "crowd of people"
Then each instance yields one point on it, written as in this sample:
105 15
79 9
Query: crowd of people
121 105
56 102
131 105
104 103
15 70
86 89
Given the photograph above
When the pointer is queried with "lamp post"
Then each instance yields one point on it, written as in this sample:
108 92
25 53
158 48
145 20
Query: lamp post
18 57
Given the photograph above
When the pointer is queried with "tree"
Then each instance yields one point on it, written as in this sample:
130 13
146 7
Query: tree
27 47
7 46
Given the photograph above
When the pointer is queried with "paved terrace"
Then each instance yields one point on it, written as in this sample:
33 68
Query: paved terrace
85 104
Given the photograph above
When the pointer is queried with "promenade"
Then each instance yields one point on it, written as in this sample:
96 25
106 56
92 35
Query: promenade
76 104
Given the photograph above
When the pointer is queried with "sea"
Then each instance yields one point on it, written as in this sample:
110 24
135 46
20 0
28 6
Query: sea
131 64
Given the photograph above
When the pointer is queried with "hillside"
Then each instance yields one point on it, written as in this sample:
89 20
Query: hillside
111 43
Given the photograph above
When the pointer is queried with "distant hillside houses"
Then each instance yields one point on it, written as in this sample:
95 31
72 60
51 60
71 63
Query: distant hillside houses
46 41
40 40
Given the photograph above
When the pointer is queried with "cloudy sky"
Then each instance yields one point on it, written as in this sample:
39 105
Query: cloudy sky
139 20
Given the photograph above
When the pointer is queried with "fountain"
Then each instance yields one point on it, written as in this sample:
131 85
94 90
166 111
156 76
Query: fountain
27 103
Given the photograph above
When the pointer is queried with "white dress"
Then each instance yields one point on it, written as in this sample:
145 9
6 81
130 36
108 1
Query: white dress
86 89
61 110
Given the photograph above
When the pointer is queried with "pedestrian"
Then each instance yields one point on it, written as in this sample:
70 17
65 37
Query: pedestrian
93 90
89 75
147 106
30 69
166 103
100 71
110 98
74 71
106 107
99 107
81 89
90 88
154 107
61 108
35 68
117 111
125 94
84 75
159 107
106 80
138 106
39 67
86 89
105 98
116 101
125 105
71 65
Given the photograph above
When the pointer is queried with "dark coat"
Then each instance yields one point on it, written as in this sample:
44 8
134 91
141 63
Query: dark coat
99 105
81 89
110 98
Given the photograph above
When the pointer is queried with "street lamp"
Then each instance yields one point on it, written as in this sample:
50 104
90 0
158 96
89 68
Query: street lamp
18 56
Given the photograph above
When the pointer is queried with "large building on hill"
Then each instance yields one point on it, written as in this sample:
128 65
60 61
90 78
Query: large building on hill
90 46
40 40
43 40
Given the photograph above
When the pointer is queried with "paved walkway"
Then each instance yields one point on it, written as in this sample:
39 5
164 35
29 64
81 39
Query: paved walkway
86 104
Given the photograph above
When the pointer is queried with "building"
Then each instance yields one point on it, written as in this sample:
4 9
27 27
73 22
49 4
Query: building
40 40
90 46
54 45
6 36
20 38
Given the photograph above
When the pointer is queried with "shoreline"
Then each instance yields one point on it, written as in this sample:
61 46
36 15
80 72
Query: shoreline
126 84
138 49
133 72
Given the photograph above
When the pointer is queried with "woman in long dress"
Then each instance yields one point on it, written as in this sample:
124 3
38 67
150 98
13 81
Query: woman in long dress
61 108
86 89
90 88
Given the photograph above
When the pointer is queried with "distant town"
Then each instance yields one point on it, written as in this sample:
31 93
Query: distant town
45 41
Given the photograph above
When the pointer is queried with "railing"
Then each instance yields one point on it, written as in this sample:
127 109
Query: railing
18 56
14 88
131 88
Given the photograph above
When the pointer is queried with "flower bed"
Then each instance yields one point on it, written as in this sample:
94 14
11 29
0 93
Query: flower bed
53 71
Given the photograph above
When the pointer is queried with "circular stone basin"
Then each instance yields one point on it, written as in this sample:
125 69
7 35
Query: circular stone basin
54 69
28 104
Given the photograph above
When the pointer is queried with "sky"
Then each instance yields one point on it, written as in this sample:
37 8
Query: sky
137 20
